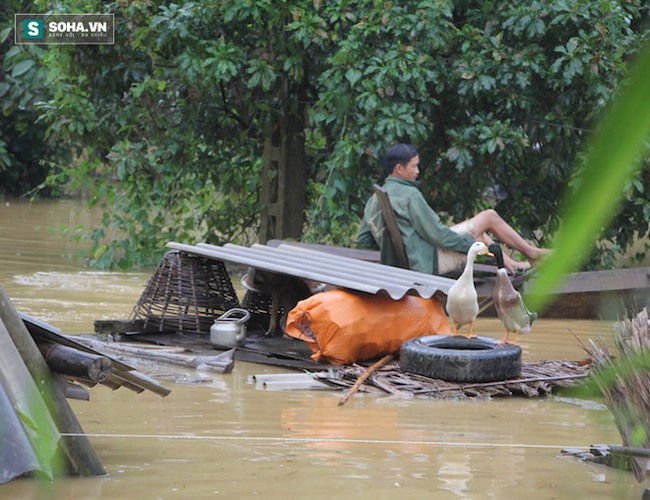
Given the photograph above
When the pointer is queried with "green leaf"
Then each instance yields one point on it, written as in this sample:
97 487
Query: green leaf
612 159
22 67
353 75
5 33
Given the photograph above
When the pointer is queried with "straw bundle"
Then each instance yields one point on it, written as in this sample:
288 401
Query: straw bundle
624 380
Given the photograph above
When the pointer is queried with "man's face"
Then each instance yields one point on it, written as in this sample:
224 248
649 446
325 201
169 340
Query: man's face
410 171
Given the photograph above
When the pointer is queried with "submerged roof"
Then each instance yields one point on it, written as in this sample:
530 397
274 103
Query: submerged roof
336 270
122 375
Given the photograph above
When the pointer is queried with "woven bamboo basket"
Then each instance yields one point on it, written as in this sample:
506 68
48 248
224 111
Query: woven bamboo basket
185 294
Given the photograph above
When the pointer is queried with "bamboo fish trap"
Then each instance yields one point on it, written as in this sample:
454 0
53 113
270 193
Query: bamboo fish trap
185 294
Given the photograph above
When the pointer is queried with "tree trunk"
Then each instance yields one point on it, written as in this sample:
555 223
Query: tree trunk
283 177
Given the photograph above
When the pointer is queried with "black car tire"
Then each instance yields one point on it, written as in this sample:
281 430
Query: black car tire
459 359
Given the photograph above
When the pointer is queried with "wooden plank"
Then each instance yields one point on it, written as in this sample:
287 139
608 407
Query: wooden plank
108 326
44 332
608 280
606 295
390 221
219 363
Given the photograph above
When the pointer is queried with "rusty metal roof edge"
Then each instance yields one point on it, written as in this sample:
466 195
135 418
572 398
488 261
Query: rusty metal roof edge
228 255
429 279
369 269
393 281
328 263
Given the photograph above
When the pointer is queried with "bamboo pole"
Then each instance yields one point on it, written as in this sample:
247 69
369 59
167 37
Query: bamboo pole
629 451
80 453
369 371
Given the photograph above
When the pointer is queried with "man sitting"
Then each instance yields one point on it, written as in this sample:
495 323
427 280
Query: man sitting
431 246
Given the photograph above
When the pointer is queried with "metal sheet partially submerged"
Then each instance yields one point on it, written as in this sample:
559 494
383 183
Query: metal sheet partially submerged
335 270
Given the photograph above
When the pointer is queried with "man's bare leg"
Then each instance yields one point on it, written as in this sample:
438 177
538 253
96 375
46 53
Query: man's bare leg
489 221
511 264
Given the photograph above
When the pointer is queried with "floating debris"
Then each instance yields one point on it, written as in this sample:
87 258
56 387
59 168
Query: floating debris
536 379
286 382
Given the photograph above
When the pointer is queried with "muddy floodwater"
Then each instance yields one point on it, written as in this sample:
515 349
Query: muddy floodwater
216 436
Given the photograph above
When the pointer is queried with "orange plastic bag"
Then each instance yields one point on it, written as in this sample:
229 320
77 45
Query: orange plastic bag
343 327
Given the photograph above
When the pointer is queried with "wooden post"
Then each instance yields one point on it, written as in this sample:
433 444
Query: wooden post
283 183
77 448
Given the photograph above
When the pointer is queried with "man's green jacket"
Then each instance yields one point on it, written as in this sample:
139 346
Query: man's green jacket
421 228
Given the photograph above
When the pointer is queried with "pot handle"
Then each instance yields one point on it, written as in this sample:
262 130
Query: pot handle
235 310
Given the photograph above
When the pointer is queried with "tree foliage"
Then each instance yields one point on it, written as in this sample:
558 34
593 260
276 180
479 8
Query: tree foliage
167 126
612 159
24 149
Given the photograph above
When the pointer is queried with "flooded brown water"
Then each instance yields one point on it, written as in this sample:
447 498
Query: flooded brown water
220 437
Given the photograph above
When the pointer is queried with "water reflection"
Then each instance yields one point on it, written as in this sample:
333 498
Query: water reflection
455 473
215 435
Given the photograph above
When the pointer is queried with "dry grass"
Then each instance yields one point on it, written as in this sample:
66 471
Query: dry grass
624 380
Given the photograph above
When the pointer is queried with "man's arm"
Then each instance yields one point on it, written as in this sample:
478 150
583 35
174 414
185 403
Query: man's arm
365 238
428 225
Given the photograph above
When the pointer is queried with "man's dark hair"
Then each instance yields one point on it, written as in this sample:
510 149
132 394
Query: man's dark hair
398 153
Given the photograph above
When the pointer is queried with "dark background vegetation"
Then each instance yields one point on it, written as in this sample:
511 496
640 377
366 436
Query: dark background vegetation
165 129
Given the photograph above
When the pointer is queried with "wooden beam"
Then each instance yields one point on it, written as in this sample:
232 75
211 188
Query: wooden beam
636 278
70 389
74 363
108 326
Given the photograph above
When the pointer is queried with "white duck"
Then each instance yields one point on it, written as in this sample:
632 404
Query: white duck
508 302
462 299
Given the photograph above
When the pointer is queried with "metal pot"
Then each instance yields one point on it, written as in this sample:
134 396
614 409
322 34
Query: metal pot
229 329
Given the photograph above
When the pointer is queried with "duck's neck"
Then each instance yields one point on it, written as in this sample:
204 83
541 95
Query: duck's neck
498 256
468 273
502 274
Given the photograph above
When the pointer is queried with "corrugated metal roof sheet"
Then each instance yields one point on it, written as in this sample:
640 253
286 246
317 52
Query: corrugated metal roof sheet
326 268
